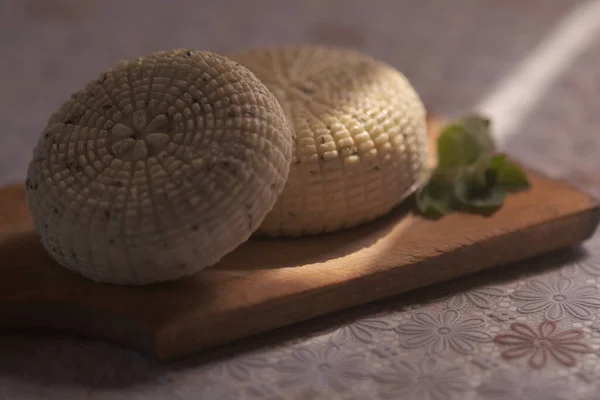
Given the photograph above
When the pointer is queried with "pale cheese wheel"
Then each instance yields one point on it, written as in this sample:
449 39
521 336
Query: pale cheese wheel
360 136
158 168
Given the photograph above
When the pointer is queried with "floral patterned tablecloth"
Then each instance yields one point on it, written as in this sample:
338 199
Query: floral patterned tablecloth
528 331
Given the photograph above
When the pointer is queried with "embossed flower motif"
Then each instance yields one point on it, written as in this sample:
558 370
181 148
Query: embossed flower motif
385 350
590 264
503 315
484 363
595 329
362 330
240 368
543 344
445 332
588 375
480 297
510 385
144 139
432 379
327 366
558 298
264 391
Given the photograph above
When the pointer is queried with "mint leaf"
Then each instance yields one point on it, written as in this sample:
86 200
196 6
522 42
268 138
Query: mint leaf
435 198
462 187
470 176
508 174
480 129
493 198
498 161
456 148
479 172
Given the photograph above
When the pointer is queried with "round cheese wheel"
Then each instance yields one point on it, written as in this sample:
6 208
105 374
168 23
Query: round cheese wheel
360 136
158 168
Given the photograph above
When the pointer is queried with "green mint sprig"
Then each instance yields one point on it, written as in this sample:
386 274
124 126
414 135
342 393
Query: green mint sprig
470 175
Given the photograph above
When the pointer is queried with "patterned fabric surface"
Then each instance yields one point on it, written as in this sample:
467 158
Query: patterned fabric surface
529 331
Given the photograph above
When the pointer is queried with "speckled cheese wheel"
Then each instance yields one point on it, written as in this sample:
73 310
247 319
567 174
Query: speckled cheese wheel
158 168
360 136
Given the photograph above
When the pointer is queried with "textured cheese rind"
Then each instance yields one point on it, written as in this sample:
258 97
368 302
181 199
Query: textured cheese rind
360 136
158 168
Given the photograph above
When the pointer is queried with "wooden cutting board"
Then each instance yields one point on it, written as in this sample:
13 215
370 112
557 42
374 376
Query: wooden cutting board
267 283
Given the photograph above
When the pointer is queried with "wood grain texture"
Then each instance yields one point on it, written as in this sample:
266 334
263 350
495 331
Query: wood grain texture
269 283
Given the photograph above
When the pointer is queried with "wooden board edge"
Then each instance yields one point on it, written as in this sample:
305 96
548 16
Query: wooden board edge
323 301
